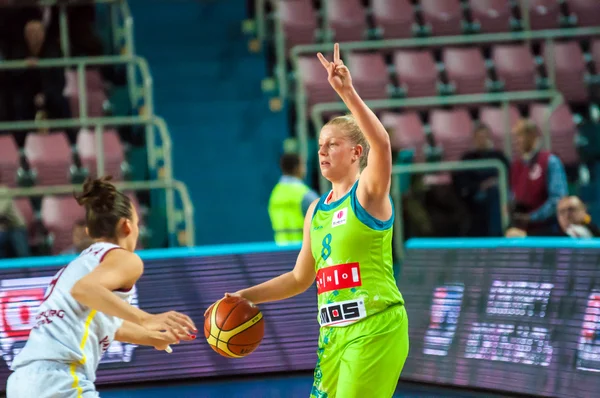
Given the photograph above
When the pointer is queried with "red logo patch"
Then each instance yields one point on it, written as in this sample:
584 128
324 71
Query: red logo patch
342 276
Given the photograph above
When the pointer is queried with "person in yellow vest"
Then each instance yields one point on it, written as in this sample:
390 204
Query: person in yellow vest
289 201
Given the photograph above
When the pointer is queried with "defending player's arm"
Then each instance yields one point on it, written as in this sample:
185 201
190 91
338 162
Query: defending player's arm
119 270
375 179
131 333
291 283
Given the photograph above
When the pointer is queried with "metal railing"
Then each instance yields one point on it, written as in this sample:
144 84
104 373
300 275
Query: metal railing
121 21
396 193
122 37
505 98
141 96
144 92
173 216
99 123
547 35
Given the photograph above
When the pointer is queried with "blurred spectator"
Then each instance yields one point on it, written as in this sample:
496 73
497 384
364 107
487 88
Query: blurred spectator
81 239
479 188
290 200
416 218
37 93
13 234
573 219
537 180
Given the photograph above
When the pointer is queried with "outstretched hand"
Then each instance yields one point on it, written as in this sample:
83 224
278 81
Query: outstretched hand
338 74
236 294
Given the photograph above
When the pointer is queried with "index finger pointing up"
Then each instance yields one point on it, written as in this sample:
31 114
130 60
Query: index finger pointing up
336 53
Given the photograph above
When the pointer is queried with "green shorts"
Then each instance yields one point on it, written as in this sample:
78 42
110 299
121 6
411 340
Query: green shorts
363 359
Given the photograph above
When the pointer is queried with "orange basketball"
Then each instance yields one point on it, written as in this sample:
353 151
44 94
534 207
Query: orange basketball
234 327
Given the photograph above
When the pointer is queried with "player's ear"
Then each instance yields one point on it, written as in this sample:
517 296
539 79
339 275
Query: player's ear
125 226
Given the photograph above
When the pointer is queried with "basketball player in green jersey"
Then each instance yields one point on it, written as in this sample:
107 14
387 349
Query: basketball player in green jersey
347 248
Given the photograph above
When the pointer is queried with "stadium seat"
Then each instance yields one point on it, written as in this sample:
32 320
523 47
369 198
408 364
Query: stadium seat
407 132
466 69
93 81
369 74
587 12
543 14
570 69
346 19
493 117
9 161
59 213
394 18
299 21
113 152
452 130
515 66
492 16
416 72
444 18
562 130
314 80
95 92
50 155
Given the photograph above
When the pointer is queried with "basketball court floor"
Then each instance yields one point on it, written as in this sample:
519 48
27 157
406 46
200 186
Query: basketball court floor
295 386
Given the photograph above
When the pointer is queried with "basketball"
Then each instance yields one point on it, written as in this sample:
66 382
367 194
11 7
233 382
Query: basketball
234 327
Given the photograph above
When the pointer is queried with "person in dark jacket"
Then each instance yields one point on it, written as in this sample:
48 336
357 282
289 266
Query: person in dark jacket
479 188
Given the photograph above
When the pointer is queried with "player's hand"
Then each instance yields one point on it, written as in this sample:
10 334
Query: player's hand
178 324
338 74
162 340
236 294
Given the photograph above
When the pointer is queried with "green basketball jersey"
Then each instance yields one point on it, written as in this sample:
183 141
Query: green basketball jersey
353 261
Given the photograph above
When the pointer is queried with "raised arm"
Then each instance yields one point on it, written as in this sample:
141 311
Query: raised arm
291 283
376 177
120 270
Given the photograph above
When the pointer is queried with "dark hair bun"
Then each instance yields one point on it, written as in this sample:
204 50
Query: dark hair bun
98 195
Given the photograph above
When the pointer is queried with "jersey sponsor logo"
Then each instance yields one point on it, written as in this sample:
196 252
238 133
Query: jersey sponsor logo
339 217
342 313
336 277
20 301
47 317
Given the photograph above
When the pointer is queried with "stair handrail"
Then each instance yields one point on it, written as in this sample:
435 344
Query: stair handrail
169 186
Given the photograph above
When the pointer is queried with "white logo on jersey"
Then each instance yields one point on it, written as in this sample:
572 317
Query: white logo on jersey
342 313
339 217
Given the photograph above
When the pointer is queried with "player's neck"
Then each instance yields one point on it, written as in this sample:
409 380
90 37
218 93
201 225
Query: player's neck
341 188
107 240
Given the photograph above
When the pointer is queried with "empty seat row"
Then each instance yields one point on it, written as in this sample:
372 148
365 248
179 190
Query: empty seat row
452 130
466 69
95 92
58 214
50 155
392 19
